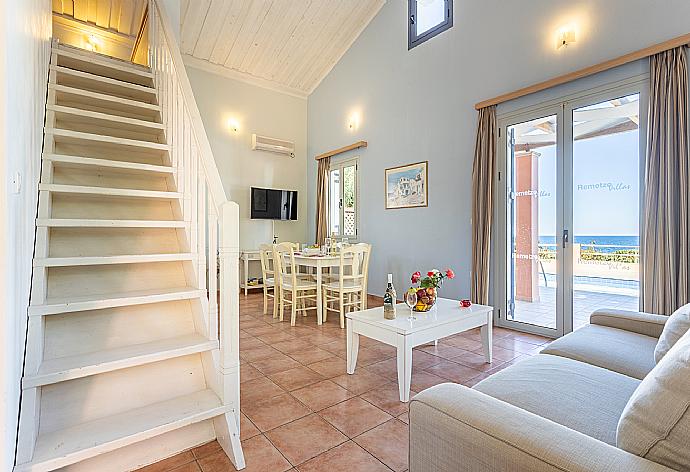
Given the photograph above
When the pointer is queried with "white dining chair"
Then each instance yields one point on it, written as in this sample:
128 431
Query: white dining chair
349 291
292 287
268 275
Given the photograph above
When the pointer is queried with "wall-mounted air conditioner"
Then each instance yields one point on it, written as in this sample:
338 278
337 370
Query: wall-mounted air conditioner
279 146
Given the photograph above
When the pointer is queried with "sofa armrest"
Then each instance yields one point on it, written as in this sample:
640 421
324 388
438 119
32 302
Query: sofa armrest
634 321
455 429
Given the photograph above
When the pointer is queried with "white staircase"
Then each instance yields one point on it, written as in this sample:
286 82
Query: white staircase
126 363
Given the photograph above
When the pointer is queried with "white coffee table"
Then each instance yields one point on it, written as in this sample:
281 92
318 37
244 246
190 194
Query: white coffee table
445 319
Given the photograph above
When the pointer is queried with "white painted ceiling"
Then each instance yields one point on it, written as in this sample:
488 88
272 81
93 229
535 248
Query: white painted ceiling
121 16
289 45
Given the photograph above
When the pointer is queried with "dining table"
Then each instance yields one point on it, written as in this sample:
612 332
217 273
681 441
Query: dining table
318 262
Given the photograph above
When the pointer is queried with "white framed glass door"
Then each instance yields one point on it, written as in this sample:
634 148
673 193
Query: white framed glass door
530 183
604 173
568 210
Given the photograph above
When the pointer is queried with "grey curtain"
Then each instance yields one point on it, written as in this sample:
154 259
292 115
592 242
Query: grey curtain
665 231
482 203
322 200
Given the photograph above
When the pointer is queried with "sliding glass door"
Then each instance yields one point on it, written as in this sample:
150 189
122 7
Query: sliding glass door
568 211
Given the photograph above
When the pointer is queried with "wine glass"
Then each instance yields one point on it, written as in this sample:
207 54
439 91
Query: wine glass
411 301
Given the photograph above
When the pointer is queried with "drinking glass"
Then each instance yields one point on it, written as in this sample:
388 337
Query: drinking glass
411 301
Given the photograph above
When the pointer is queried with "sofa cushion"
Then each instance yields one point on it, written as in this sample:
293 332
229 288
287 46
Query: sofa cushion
655 423
676 326
621 351
580 396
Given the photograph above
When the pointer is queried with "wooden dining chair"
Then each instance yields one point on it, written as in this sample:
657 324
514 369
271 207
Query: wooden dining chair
268 275
292 288
306 274
349 292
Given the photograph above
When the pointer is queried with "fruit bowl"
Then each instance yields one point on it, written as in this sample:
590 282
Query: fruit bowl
426 299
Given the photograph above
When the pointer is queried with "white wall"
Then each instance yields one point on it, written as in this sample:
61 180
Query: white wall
24 56
264 112
418 105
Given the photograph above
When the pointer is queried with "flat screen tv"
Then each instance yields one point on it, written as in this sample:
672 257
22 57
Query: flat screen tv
270 204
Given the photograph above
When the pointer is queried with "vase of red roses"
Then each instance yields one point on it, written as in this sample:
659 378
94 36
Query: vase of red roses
427 291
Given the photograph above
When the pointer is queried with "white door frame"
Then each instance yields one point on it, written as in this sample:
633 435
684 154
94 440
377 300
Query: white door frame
503 238
562 107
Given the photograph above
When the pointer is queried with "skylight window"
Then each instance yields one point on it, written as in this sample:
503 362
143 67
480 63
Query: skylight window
427 18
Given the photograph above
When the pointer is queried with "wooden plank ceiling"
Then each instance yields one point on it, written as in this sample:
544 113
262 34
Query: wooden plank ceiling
288 44
121 16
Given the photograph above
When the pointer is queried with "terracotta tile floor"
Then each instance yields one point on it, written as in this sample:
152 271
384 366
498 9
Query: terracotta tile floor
302 412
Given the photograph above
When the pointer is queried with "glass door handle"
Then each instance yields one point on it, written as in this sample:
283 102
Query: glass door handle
565 237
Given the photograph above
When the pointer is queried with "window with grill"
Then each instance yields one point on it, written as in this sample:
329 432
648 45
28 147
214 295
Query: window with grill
342 199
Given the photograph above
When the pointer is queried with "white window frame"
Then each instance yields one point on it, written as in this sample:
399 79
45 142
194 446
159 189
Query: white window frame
341 164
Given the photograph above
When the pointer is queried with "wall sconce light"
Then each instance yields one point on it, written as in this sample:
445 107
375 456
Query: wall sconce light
353 121
233 125
91 43
566 35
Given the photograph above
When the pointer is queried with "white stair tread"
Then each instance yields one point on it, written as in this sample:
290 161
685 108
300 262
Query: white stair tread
103 79
90 57
105 139
74 367
83 223
99 116
110 300
63 447
104 260
108 191
103 97
135 167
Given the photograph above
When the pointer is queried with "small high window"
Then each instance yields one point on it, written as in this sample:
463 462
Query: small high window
427 18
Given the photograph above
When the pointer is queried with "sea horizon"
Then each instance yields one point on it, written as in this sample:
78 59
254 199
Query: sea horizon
630 241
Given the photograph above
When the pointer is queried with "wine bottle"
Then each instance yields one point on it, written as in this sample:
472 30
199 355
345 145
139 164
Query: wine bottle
389 299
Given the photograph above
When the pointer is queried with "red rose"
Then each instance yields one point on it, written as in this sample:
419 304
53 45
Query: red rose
416 276
430 273
450 274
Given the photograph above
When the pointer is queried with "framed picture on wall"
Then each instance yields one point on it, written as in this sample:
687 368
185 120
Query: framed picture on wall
407 186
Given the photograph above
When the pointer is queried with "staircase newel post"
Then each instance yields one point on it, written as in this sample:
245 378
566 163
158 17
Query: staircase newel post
229 249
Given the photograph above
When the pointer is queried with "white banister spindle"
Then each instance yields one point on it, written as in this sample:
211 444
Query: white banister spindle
213 269
193 205
201 231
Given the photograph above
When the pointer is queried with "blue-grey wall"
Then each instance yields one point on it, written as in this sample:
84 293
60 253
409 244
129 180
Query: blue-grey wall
418 105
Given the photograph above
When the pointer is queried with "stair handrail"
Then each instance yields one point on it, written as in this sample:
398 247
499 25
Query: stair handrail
213 220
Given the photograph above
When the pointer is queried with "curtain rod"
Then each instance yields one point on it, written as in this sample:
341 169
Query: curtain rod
601 67
335 152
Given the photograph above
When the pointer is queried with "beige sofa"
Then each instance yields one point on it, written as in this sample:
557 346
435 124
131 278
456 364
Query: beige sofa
563 409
